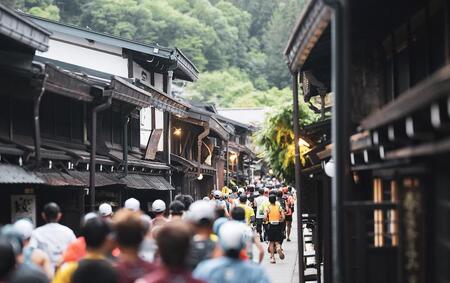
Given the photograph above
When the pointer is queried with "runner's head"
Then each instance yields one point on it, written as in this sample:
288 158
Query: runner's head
52 212
217 194
238 214
201 214
128 228
272 198
188 200
132 204
231 238
173 242
261 191
176 208
243 199
95 231
105 210
280 193
158 207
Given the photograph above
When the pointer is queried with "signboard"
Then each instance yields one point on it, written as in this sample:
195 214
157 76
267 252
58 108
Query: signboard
152 144
23 206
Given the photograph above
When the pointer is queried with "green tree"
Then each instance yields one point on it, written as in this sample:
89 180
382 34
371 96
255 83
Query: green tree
275 39
233 88
276 139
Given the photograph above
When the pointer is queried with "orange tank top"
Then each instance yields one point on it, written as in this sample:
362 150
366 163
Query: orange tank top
274 213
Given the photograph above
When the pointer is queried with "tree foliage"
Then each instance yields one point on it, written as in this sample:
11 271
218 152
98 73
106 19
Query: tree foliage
219 36
233 88
276 139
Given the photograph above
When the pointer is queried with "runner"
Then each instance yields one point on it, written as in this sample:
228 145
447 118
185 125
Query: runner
275 215
52 238
229 268
260 213
159 208
249 213
289 211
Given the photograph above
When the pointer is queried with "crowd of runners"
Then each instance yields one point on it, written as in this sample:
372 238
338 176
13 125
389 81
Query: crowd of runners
216 239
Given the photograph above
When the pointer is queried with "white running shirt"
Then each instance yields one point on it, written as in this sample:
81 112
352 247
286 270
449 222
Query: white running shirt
53 239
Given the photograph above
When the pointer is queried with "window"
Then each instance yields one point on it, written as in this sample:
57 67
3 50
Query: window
385 221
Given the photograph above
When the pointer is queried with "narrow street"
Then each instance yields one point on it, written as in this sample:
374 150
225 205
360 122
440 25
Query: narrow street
284 271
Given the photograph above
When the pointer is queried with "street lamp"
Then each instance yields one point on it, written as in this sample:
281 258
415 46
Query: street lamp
177 132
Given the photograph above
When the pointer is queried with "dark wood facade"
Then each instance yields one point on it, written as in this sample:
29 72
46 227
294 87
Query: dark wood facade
393 211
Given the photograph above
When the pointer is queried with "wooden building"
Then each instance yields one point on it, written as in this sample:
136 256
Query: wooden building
240 156
70 129
387 65
198 152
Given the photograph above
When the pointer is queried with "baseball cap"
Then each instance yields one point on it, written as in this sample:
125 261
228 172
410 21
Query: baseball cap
24 227
231 235
199 210
241 190
132 204
89 216
105 209
158 206
217 194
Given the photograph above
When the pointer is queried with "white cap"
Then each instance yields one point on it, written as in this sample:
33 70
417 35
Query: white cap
199 210
105 209
24 227
132 204
217 194
241 190
206 198
158 206
232 235
88 216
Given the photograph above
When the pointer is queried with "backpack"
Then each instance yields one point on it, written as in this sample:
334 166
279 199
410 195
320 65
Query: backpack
282 204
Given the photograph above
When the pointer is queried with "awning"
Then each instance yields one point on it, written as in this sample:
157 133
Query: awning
102 179
147 182
13 174
67 84
60 179
145 96
23 30
185 69
310 26
191 165
135 159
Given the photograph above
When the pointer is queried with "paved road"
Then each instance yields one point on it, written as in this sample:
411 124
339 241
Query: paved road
284 271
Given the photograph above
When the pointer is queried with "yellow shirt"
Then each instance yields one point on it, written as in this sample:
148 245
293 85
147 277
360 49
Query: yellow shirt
249 213
66 271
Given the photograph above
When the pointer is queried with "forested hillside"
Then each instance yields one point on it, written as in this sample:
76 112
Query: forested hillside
236 44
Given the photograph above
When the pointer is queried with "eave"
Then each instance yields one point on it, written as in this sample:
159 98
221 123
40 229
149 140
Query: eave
314 19
22 30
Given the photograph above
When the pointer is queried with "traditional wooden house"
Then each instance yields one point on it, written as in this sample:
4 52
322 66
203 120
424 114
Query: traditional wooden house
139 78
70 127
387 65
198 152
240 155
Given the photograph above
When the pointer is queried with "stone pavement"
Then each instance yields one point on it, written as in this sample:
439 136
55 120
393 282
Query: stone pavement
284 271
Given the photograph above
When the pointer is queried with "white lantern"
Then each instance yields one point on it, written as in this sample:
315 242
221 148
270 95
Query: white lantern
329 168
